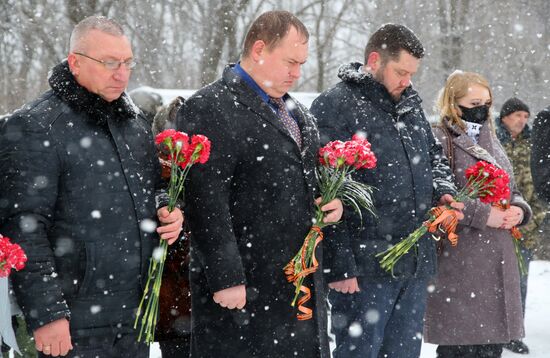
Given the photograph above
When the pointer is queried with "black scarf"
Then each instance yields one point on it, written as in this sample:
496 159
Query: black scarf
65 86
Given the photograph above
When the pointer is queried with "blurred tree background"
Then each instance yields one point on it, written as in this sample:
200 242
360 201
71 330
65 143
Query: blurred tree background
186 43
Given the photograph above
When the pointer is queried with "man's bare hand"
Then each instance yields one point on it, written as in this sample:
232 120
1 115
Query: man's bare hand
349 285
447 199
232 297
54 338
333 210
171 224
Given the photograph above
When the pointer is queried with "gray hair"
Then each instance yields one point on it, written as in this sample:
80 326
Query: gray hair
94 22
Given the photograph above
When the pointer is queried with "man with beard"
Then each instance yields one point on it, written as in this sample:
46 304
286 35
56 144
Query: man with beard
375 314
81 195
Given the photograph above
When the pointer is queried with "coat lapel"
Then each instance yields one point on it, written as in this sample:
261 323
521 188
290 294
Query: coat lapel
249 99
310 134
310 142
476 151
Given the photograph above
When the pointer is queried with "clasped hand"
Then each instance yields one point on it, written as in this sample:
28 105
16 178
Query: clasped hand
505 219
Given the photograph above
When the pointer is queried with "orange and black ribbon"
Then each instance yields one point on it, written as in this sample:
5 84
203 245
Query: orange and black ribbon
292 276
445 219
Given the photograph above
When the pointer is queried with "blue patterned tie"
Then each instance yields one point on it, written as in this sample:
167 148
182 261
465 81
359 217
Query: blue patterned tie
288 121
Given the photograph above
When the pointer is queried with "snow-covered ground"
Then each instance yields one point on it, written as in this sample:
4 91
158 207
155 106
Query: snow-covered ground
537 317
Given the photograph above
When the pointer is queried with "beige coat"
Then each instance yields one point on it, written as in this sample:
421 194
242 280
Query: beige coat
475 297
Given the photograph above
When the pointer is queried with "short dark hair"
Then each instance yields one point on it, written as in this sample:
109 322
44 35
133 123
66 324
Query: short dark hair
271 27
390 39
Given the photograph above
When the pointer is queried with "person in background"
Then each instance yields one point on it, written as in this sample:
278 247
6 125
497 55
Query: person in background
474 301
374 313
514 133
82 195
540 166
251 205
147 101
166 115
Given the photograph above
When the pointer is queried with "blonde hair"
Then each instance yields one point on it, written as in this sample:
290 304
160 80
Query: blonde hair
456 87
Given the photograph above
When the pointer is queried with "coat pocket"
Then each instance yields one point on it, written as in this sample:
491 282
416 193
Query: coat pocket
87 262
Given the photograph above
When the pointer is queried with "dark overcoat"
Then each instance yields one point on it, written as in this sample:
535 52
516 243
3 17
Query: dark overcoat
475 297
410 176
249 209
540 155
79 177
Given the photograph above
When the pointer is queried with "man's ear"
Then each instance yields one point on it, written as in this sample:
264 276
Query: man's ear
374 61
257 51
74 64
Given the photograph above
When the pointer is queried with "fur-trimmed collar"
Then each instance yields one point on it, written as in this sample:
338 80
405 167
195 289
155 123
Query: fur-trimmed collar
354 73
65 86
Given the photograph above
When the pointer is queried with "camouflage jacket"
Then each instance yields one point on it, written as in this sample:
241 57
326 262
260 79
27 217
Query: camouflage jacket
519 153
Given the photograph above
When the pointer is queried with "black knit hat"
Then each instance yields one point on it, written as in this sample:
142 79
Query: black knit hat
513 105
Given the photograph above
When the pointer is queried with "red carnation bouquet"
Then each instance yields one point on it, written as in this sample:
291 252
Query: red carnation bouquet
500 198
12 256
181 154
485 182
338 160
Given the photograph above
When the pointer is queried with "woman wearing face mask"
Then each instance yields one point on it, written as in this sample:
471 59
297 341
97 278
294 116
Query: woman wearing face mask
474 303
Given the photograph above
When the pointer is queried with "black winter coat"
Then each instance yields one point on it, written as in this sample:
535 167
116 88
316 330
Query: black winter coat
78 178
249 209
410 176
540 155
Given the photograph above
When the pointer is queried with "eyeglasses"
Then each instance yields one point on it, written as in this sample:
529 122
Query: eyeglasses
110 64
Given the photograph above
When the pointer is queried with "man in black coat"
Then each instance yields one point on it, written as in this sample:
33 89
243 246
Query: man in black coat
80 178
540 161
250 207
540 155
373 313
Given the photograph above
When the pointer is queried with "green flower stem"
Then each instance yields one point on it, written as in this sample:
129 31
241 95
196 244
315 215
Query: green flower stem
521 264
337 177
394 253
149 315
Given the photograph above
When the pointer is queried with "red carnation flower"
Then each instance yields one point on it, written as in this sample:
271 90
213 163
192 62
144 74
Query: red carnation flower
489 182
199 150
12 256
161 137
